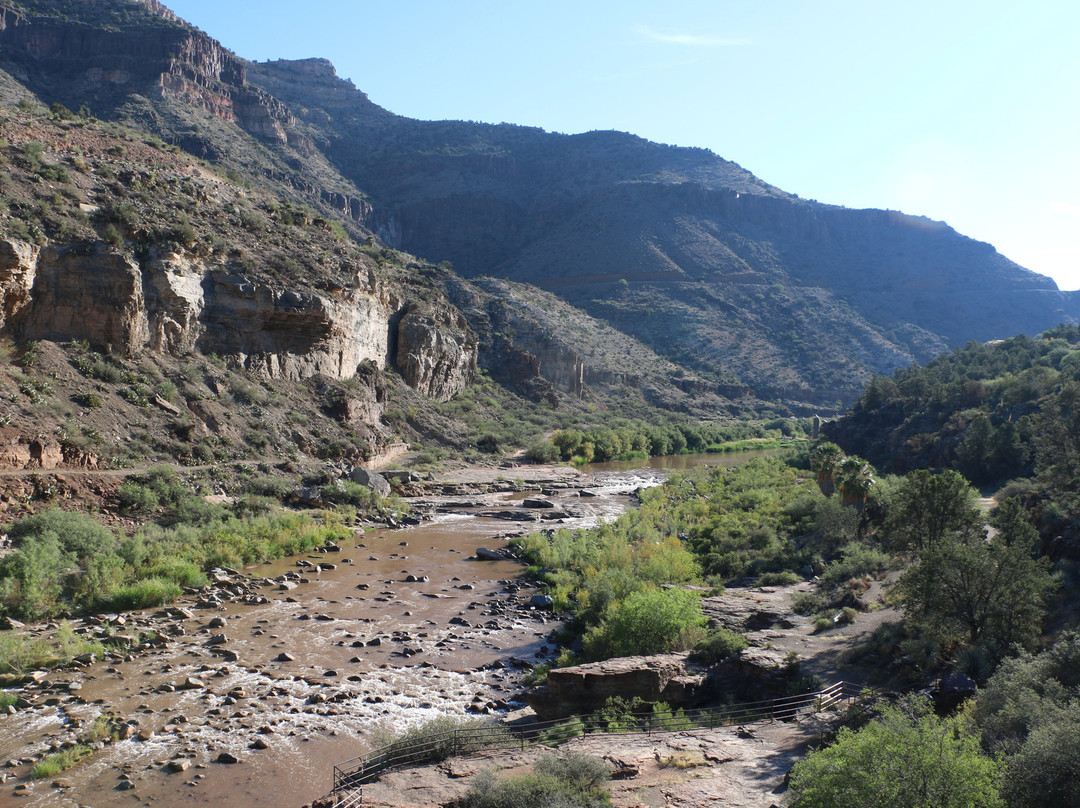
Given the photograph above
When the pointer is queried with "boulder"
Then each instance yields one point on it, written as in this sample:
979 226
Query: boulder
536 502
485 554
952 691
370 479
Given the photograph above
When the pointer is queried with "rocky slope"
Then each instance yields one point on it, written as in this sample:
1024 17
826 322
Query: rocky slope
734 286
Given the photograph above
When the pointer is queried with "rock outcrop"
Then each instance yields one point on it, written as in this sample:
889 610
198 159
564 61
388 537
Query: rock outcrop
754 673
583 689
175 304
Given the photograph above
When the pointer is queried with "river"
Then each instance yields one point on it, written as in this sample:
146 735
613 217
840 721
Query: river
405 626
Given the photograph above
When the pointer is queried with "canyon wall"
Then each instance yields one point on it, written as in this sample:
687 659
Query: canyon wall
173 304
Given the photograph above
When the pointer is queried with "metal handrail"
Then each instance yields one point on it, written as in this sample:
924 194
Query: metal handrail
353 773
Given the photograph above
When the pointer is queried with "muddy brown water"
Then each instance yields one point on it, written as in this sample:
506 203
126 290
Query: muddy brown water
371 650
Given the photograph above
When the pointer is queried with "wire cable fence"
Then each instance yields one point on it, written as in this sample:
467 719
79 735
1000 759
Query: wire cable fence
351 775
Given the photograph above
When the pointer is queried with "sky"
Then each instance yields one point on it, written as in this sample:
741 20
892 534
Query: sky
965 111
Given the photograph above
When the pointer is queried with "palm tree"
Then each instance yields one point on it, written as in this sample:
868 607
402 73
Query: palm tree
825 459
855 478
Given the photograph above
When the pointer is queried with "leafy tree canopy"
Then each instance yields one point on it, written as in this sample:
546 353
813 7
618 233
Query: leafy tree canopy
909 758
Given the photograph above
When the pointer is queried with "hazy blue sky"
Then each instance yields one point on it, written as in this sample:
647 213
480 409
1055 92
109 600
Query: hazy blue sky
966 111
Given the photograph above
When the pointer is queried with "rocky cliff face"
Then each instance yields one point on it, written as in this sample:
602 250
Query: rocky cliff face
157 54
174 304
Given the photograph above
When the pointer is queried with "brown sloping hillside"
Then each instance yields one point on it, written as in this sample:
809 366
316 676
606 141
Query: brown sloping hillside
720 274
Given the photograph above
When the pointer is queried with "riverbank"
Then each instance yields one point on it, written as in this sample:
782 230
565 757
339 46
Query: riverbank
289 666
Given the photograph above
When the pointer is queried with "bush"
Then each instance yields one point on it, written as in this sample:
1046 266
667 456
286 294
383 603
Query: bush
440 738
179 571
580 770
648 622
20 653
528 791
573 781
909 758
543 452
59 762
718 644
785 578
144 594
135 497
78 533
857 561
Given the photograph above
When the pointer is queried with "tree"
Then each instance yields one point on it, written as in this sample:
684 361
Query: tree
1043 774
855 479
825 460
991 594
909 758
928 508
1057 443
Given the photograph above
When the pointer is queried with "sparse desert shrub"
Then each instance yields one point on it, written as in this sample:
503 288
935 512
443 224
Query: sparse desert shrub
555 783
88 400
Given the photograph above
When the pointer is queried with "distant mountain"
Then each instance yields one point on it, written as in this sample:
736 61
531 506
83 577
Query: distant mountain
733 288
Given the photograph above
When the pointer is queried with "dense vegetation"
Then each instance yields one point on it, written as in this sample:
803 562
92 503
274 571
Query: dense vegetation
993 412
68 562
1017 745
763 520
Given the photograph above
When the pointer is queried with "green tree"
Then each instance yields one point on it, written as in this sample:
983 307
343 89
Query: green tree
991 594
568 442
1044 773
909 758
855 479
825 460
1057 443
929 508
30 578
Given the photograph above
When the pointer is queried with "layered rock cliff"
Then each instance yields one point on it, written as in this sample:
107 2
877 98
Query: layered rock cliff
173 304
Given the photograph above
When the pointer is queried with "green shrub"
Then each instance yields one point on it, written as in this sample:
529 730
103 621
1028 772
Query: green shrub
276 487
718 644
576 768
440 738
543 452
648 622
807 602
568 729
527 791
88 400
857 561
178 570
137 497
784 578
144 594
573 781
20 653
59 762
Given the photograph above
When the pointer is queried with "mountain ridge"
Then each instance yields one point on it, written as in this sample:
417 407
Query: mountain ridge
708 266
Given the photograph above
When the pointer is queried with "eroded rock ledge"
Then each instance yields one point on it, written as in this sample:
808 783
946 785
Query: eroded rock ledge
672 678
172 303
